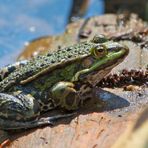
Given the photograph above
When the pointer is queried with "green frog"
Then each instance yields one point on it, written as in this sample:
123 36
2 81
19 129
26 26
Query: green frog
59 79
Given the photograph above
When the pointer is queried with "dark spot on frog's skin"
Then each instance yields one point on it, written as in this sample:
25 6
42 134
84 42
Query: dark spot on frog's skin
40 104
42 64
58 57
49 54
52 61
80 52
12 68
46 60
70 99
28 72
7 71
45 107
41 81
69 56
68 49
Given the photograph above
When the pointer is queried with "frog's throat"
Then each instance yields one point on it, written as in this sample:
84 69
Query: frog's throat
107 61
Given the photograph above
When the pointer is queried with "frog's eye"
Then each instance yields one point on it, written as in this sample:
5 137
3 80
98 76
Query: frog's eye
99 51
99 39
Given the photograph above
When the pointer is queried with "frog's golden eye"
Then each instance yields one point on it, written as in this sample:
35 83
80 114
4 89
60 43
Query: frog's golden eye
99 51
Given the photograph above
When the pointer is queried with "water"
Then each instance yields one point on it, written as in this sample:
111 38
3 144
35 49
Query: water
25 20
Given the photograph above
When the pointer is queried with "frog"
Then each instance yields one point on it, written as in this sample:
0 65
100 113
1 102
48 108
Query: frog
61 79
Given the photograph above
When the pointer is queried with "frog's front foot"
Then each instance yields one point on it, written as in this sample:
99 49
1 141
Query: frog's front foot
65 95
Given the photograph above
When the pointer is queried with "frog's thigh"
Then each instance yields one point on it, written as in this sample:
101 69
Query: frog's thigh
16 109
18 106
4 72
65 95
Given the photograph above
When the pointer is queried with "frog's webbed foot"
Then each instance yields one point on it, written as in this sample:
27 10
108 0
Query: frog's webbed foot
4 72
11 124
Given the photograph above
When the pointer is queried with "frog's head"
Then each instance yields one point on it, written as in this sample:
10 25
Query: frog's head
104 56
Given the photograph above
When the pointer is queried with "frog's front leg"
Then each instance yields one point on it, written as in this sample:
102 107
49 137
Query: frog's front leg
67 96
4 72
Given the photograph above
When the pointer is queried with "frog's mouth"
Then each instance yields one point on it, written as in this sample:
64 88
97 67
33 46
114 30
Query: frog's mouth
96 76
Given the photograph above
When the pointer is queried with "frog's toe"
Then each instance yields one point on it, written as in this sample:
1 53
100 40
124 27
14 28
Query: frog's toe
57 117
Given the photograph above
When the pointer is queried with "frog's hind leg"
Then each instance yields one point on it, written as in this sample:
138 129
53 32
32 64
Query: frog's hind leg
5 71
17 107
21 110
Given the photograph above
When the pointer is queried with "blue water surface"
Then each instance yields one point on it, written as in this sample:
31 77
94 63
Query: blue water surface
25 20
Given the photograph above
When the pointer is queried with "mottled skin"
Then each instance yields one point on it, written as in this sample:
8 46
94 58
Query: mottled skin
57 79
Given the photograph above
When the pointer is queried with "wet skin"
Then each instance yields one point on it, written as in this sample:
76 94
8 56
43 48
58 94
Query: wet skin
62 79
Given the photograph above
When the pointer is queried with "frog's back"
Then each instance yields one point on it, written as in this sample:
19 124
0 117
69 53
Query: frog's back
48 61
